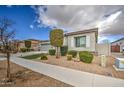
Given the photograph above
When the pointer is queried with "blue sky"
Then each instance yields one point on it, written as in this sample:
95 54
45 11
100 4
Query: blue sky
24 16
35 22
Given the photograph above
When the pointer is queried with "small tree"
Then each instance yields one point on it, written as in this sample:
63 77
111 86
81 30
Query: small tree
56 40
6 37
28 44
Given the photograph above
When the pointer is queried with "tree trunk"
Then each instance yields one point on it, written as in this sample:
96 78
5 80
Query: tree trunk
8 65
57 53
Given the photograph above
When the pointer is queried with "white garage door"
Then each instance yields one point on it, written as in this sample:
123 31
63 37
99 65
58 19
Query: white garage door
45 47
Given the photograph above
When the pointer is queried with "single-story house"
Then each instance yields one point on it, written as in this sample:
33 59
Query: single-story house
118 45
84 40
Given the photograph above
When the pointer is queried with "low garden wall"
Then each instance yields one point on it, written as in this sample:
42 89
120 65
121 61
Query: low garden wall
103 49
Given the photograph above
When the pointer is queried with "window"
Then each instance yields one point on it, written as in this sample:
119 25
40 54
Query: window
123 48
80 41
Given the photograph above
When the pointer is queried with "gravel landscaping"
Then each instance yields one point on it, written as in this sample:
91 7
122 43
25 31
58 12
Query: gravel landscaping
23 77
93 67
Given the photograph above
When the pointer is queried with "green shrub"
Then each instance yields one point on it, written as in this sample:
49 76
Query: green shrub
52 52
69 57
85 56
73 53
64 50
43 57
23 49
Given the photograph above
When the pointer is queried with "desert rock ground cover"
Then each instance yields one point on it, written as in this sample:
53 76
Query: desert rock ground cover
93 67
23 77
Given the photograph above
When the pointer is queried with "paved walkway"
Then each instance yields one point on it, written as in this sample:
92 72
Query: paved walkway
2 59
69 76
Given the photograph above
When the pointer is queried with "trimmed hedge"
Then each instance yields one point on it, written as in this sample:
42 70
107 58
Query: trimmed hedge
64 50
85 56
73 53
52 52
43 57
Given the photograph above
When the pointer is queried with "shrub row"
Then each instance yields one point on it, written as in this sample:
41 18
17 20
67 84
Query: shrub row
63 51
84 56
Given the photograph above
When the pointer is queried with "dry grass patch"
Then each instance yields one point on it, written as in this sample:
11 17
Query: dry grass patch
26 78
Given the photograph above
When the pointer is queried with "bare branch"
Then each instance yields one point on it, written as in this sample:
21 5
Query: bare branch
6 34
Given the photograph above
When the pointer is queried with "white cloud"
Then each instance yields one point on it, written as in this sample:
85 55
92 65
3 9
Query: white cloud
31 26
109 19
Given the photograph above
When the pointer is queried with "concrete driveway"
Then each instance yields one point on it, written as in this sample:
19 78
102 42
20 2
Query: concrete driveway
117 55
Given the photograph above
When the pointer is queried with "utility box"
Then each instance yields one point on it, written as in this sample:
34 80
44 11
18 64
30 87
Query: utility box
119 63
103 60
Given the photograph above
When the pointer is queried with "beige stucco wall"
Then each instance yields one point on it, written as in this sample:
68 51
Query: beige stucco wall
65 42
103 49
91 42
34 45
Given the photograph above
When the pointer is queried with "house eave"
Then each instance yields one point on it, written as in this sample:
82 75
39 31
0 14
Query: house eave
82 32
117 40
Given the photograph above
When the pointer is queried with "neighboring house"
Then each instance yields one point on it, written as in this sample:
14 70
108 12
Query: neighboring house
84 40
21 45
45 45
118 45
13 44
34 44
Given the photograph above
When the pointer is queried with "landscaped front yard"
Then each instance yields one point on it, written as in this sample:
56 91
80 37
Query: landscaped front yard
23 77
93 67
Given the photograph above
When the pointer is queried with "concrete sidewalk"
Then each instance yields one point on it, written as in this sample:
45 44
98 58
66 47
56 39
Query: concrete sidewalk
27 53
2 59
69 76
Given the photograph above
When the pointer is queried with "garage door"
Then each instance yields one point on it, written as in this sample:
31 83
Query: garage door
45 47
115 48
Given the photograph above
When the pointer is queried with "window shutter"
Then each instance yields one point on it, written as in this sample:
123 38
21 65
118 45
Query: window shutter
87 41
